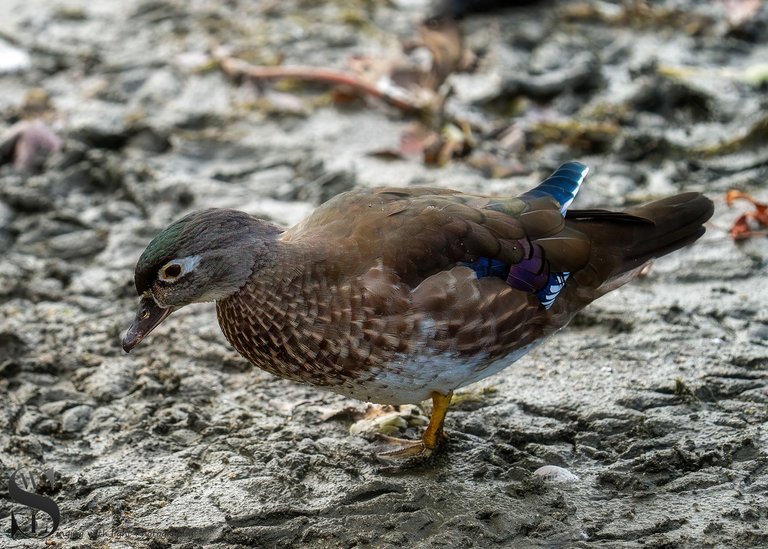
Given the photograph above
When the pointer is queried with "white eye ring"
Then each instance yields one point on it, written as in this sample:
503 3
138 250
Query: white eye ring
185 265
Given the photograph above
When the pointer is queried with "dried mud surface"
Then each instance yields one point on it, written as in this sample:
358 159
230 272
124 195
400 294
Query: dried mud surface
655 397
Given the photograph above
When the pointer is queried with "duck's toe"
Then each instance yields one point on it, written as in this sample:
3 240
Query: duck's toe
402 449
432 440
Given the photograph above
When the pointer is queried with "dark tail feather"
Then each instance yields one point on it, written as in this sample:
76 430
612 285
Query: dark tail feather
622 242
677 221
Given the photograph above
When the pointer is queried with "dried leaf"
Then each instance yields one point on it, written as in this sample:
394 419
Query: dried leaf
417 139
748 225
348 413
388 420
387 154
27 144
740 12
494 166
444 39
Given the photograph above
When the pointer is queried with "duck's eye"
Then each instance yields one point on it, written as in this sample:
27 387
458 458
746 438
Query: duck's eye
172 271
178 267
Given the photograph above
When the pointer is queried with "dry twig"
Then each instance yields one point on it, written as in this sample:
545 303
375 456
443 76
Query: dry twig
397 98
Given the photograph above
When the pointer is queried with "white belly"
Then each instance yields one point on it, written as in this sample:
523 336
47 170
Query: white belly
410 380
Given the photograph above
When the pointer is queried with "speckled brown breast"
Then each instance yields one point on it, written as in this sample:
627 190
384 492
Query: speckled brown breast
311 327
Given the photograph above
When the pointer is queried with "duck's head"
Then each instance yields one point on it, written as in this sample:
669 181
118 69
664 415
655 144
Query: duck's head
205 256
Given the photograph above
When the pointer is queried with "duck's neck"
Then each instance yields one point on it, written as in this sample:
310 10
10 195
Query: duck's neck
253 250
262 319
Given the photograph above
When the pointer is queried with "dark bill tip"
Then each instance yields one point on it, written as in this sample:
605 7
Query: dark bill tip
149 316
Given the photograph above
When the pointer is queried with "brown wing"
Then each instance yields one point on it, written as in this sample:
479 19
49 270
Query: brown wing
422 231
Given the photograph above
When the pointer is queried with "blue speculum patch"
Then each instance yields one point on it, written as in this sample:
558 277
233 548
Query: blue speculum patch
485 266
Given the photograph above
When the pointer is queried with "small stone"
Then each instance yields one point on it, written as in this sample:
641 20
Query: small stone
78 244
555 474
24 199
47 427
12 59
76 418
6 215
111 380
27 422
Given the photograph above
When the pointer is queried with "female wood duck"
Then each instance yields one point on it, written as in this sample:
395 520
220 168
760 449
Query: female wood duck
395 295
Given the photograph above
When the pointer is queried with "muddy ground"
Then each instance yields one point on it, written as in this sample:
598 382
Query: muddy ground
655 397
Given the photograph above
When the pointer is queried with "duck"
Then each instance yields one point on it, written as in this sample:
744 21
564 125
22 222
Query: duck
400 295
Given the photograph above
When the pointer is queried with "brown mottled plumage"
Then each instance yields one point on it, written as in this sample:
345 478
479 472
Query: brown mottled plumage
378 294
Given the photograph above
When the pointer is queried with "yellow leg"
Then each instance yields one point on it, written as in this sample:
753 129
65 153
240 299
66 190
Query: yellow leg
434 433
432 437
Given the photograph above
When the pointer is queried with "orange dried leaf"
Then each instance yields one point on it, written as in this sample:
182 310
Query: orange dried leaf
741 229
740 12
732 195
416 139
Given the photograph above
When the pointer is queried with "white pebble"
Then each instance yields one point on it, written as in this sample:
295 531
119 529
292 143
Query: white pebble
555 474
13 59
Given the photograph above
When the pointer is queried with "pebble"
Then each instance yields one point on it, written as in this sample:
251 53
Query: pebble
555 474
111 380
76 418
6 215
13 59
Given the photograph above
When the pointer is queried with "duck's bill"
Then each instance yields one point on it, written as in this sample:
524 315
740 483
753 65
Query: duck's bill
149 316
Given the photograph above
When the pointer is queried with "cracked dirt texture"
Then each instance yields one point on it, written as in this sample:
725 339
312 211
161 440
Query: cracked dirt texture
656 397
